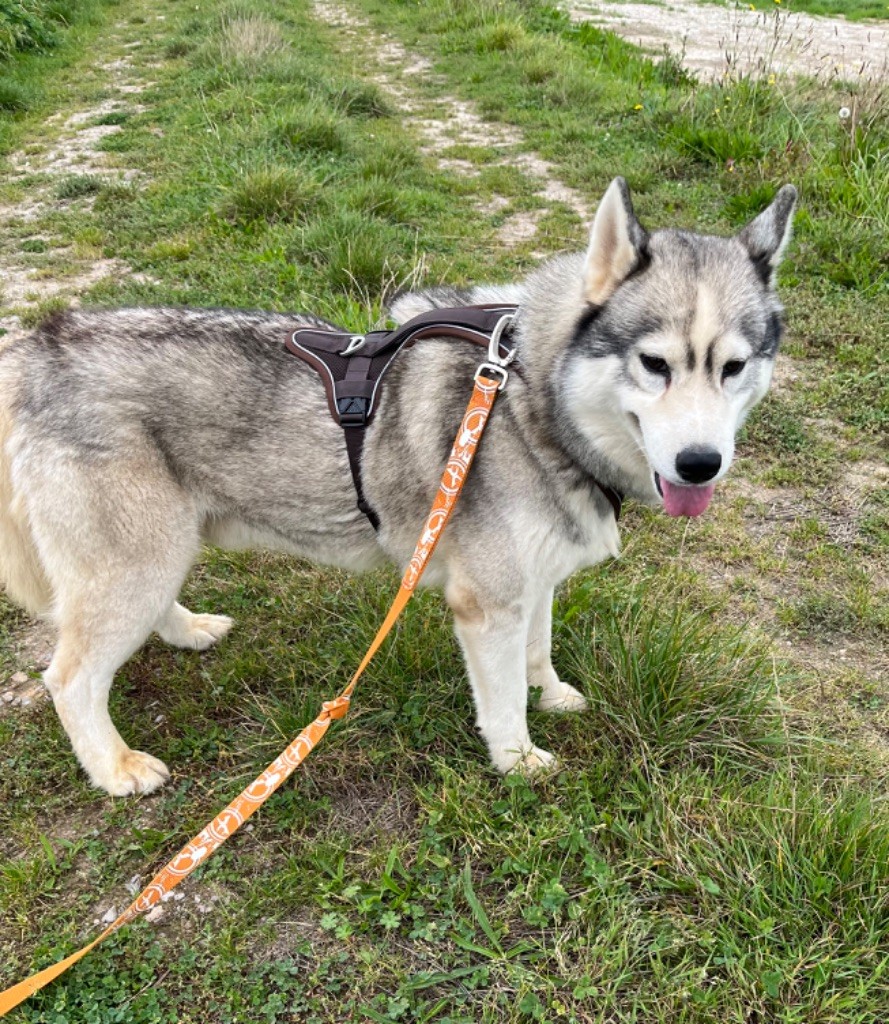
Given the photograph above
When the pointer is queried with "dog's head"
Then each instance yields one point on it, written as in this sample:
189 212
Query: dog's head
673 345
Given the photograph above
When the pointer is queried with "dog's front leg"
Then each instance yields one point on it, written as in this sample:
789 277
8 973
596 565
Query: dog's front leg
494 638
554 694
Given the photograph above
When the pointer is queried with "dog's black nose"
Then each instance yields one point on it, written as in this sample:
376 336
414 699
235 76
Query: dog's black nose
698 465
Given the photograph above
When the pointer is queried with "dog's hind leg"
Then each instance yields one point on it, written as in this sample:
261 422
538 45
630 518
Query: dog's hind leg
79 678
116 542
554 694
494 637
182 628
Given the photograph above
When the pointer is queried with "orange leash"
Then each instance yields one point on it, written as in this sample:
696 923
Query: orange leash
227 822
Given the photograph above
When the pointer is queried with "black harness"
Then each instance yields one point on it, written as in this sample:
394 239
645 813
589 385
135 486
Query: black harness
352 368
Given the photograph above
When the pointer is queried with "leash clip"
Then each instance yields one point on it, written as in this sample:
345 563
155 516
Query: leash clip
356 341
494 344
495 365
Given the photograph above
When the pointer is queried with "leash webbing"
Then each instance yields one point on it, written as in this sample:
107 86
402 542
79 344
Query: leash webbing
228 821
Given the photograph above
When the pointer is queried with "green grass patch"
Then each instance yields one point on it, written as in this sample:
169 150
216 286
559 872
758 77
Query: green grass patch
854 10
76 186
271 194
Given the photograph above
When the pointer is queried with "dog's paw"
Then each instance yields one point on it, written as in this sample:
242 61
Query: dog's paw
531 761
196 632
535 762
207 629
134 772
561 698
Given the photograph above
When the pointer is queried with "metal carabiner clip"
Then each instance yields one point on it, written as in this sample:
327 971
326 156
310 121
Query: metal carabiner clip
494 356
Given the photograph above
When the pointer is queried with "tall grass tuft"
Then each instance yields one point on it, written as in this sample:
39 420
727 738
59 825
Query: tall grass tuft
27 25
249 39
666 682
275 193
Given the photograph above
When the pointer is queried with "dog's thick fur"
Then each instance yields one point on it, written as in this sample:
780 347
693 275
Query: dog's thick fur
130 436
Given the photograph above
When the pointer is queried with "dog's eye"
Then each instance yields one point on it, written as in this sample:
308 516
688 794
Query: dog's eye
654 364
732 368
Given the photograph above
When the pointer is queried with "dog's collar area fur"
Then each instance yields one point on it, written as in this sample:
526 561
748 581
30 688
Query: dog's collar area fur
352 368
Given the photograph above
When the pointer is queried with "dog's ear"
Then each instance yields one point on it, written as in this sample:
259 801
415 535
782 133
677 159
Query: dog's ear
618 245
767 235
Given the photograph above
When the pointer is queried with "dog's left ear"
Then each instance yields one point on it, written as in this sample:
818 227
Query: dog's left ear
618 245
767 235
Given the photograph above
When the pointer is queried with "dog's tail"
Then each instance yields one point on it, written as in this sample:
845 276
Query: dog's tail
21 572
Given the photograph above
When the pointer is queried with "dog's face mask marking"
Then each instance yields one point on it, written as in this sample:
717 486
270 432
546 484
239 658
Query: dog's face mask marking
680 333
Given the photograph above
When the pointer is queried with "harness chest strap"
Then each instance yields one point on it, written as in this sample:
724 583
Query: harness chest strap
352 368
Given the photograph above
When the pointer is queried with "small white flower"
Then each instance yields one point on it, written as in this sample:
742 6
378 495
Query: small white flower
845 113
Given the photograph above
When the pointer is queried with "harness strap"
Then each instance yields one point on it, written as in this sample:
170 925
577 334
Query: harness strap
352 367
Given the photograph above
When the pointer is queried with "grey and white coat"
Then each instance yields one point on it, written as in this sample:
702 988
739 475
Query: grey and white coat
129 437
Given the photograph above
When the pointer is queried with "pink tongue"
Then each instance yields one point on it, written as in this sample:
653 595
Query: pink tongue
685 500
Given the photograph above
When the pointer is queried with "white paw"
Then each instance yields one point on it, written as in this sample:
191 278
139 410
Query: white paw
562 698
528 762
134 772
197 632
207 629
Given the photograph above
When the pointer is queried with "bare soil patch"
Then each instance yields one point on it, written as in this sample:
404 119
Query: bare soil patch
717 41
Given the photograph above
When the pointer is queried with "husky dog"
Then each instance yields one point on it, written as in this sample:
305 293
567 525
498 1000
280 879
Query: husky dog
130 436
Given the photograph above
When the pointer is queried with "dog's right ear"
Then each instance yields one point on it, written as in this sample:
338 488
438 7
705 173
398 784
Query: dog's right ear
618 245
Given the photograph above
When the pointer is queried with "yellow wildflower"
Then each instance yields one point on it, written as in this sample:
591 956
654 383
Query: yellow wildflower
638 106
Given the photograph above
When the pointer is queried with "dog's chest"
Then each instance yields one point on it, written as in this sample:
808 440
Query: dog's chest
561 544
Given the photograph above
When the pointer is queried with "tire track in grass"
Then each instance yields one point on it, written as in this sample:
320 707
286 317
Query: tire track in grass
60 177
446 120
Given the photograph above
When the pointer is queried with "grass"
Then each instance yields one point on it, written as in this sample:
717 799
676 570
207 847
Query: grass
854 10
716 848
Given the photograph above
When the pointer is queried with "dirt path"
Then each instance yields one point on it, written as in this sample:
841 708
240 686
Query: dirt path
54 177
445 121
730 40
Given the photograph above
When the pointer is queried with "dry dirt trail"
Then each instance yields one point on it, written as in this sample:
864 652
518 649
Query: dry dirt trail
716 40
445 120
57 172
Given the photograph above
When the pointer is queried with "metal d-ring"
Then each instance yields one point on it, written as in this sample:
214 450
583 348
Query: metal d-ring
356 341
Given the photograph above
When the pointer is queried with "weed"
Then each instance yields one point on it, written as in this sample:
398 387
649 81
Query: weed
310 129
34 245
42 311
362 253
358 99
249 40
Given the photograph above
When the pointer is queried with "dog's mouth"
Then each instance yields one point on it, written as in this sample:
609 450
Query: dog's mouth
683 499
